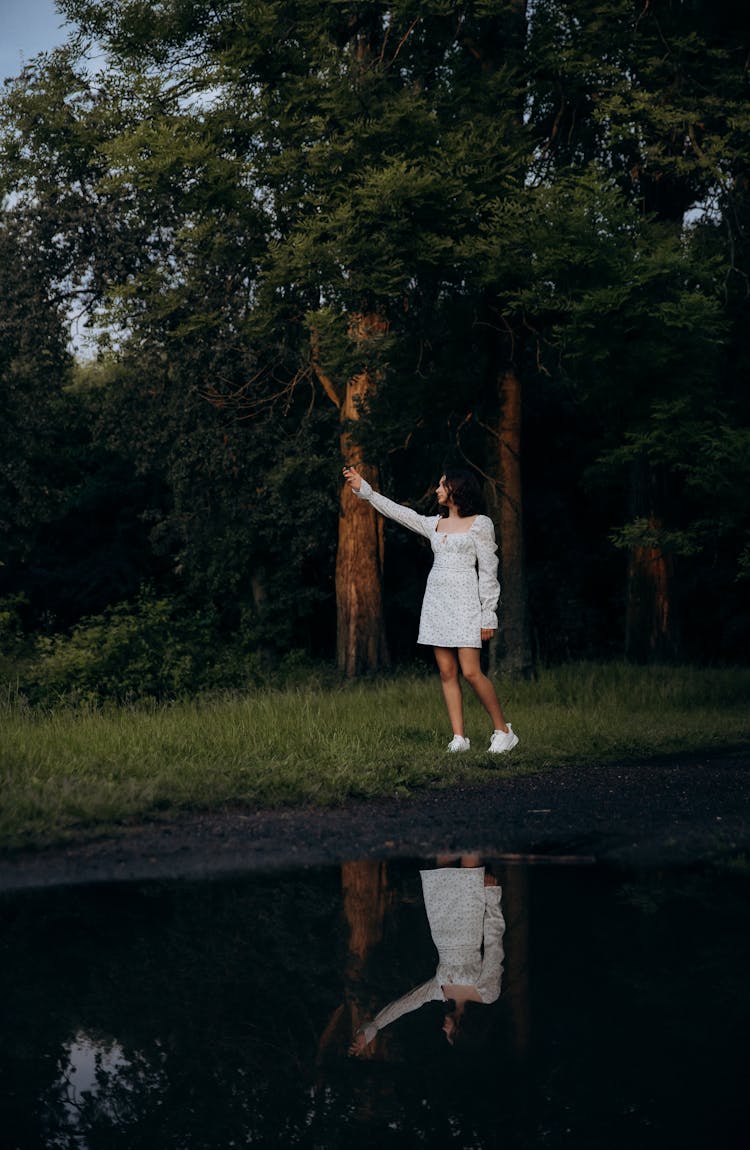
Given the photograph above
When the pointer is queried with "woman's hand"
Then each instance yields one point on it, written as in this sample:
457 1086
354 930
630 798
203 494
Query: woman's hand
359 1044
486 633
353 478
490 880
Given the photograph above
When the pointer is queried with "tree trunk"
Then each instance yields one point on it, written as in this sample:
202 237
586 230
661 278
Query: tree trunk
366 897
360 632
650 622
510 651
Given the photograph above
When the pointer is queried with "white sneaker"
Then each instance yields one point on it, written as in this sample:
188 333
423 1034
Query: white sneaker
503 741
458 743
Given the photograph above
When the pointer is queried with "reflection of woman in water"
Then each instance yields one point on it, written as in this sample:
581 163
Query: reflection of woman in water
467 926
458 610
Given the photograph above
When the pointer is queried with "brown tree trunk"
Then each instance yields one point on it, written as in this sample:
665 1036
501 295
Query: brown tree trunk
360 632
366 897
510 651
650 623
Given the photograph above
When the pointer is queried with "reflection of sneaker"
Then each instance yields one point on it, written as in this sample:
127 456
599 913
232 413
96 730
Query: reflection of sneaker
503 741
458 743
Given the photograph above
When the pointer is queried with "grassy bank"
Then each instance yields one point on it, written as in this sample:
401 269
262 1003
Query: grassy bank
72 773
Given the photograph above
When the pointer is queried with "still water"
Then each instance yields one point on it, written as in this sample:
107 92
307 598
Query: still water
219 1014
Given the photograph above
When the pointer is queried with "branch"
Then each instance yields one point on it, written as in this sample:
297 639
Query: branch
329 387
558 115
249 406
539 343
490 478
403 40
506 328
385 41
694 142
471 45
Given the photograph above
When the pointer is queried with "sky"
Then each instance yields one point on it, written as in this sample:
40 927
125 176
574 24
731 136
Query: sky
27 27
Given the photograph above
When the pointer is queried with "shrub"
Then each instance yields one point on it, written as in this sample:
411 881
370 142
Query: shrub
150 648
13 640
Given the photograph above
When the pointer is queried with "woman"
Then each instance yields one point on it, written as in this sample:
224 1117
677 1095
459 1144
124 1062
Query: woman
464 910
458 610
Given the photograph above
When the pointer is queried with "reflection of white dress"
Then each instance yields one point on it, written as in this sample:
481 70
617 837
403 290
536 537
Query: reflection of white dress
467 927
462 588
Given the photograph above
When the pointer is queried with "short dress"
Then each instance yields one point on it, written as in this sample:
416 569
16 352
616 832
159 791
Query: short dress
467 927
462 589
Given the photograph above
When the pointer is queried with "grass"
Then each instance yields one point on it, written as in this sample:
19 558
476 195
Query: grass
70 773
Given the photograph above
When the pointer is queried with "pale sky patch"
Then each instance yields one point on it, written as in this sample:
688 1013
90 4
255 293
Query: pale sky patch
26 28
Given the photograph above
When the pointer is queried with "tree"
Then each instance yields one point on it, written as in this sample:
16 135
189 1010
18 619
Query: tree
116 169
397 234
654 97
495 170
35 367
344 201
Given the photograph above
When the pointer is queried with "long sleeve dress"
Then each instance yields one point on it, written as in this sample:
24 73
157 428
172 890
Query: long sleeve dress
462 589
467 927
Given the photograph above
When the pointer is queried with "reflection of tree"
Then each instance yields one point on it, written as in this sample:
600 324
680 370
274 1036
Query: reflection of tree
216 995
212 992
366 896
413 1085
516 902
100 1090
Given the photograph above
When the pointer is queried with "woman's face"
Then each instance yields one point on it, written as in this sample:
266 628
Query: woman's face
442 492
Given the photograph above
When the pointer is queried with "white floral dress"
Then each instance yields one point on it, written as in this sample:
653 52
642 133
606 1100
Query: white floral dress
467 927
462 588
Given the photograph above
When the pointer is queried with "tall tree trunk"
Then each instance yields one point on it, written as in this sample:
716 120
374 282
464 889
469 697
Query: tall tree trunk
360 632
366 898
510 651
650 622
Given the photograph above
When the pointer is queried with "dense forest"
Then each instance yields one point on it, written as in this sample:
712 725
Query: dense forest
288 234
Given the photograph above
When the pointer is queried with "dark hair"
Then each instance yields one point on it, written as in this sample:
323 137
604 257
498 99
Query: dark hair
464 490
473 1025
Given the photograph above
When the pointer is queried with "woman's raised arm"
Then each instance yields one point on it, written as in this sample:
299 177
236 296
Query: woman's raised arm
406 516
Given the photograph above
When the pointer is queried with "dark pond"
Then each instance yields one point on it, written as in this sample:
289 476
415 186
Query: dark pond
218 1014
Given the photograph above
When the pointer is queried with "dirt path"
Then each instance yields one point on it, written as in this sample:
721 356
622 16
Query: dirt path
657 813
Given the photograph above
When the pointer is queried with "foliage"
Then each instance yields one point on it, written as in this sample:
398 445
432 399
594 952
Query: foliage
12 639
148 649
559 184
34 364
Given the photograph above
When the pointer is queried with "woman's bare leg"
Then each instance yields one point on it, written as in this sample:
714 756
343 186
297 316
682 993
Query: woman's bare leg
483 688
447 663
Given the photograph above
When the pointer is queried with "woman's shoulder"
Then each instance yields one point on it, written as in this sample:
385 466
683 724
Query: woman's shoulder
483 523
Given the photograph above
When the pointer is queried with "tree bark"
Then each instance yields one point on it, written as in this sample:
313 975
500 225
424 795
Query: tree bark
510 651
650 622
360 631
366 897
